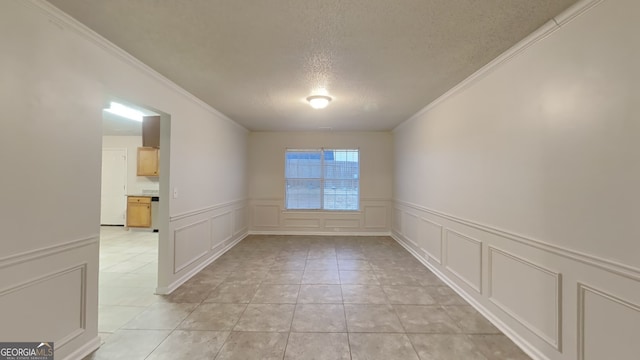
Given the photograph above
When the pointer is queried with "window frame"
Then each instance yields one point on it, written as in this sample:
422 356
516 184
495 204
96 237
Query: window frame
321 179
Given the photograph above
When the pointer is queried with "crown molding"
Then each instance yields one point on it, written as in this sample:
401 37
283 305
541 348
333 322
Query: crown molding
541 33
64 20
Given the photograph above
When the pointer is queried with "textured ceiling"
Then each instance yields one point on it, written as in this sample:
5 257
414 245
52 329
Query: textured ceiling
256 61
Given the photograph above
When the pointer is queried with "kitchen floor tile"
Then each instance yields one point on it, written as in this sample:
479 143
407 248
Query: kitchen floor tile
445 347
319 318
254 346
381 347
372 318
266 317
317 346
190 345
212 316
425 319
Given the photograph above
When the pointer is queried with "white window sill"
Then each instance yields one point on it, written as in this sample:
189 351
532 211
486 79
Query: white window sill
321 211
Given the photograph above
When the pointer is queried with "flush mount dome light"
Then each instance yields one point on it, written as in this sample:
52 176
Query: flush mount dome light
319 101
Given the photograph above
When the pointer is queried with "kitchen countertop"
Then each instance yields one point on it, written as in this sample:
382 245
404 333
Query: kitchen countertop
154 197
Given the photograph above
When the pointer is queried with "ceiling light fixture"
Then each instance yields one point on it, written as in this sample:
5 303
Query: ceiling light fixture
124 111
319 101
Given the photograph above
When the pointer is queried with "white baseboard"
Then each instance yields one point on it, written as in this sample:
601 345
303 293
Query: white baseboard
85 349
529 349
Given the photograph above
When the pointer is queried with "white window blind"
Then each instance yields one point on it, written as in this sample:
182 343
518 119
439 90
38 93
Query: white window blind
322 179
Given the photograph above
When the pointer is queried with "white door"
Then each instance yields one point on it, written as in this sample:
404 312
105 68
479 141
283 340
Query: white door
114 186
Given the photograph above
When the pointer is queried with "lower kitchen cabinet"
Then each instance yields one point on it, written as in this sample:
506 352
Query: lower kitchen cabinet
139 211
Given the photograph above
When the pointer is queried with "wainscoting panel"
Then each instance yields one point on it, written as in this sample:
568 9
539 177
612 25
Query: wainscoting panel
609 327
410 227
47 305
375 217
200 237
269 217
342 223
302 223
221 228
239 221
397 221
430 239
527 292
533 292
190 242
51 294
464 259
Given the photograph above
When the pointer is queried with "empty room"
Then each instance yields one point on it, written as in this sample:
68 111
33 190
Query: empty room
413 179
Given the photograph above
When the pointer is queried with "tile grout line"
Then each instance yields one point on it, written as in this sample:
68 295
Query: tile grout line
293 316
346 323
231 331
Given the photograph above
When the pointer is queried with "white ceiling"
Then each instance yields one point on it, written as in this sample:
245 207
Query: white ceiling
256 61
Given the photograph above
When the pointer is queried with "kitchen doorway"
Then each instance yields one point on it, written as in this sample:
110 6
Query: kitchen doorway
128 273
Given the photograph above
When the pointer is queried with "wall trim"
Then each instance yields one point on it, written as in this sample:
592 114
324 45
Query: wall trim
252 215
282 199
542 32
195 258
231 234
83 296
527 347
165 290
220 246
575 11
441 237
66 21
234 220
86 349
395 224
342 226
386 218
319 233
614 267
203 210
582 291
267 216
34 254
290 223
320 211
555 343
416 220
469 239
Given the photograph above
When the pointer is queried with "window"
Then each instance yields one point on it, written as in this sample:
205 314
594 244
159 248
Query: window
323 179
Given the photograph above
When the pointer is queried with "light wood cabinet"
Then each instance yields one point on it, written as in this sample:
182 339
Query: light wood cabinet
148 161
138 211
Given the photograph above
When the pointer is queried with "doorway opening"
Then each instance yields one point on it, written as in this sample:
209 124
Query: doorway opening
134 210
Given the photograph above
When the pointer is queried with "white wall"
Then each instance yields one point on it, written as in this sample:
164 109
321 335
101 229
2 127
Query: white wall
521 187
266 183
135 183
56 77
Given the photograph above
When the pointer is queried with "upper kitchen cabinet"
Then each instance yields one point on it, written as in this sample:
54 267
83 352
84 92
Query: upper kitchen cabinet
148 161
151 131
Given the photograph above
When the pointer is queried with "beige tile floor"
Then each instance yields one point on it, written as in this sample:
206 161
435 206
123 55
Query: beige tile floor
293 298
128 276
